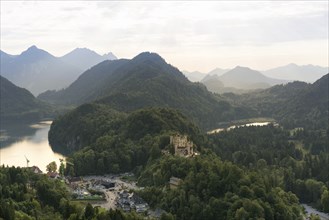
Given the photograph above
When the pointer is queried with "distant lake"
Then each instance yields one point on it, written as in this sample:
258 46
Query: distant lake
260 123
18 141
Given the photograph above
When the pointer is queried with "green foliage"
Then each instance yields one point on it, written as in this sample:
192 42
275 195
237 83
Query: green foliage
282 159
19 104
325 201
296 104
25 195
147 81
212 189
268 166
89 212
52 167
113 142
82 126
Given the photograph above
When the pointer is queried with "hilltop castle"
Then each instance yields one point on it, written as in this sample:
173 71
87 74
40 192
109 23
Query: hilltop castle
183 147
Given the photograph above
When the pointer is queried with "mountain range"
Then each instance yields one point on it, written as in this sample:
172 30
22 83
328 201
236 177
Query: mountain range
144 81
214 80
148 81
37 70
84 58
197 76
238 80
293 72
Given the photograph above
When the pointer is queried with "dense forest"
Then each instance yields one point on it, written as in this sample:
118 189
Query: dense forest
295 104
242 173
112 142
247 172
212 189
296 161
19 104
29 196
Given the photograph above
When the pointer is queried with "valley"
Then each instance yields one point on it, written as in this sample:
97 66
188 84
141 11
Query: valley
164 110
265 152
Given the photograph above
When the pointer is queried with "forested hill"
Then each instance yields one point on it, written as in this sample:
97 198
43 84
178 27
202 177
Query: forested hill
145 81
294 104
19 103
106 141
84 126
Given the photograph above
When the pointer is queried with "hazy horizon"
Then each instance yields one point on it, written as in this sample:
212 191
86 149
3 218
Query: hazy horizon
193 36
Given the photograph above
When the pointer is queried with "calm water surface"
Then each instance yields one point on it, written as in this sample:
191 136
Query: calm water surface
236 126
30 141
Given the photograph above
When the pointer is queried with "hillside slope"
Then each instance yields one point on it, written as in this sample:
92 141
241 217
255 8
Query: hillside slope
145 81
18 103
294 104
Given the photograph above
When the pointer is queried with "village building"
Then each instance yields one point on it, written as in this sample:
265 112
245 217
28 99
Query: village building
129 201
73 182
105 184
174 182
183 146
53 175
36 170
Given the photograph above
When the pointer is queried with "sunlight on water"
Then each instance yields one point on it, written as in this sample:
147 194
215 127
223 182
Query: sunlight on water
236 126
35 147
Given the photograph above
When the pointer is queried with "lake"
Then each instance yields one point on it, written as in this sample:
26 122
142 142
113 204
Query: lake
21 141
261 123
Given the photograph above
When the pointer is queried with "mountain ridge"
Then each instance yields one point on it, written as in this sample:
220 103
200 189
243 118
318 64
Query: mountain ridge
239 80
37 70
144 81
84 58
19 104
308 73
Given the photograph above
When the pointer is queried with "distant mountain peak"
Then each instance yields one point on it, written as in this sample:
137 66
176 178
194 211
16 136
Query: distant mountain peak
241 68
149 56
89 52
35 53
240 71
110 56
292 64
85 58
292 71
84 50
33 47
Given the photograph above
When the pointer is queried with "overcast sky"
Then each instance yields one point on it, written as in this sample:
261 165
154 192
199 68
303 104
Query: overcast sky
189 35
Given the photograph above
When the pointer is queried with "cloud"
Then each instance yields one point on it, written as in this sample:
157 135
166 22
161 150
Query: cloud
128 28
72 9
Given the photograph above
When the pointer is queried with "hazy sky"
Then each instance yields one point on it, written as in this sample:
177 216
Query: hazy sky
189 35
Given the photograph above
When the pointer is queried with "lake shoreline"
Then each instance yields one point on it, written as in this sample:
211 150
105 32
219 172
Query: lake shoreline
245 123
20 143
